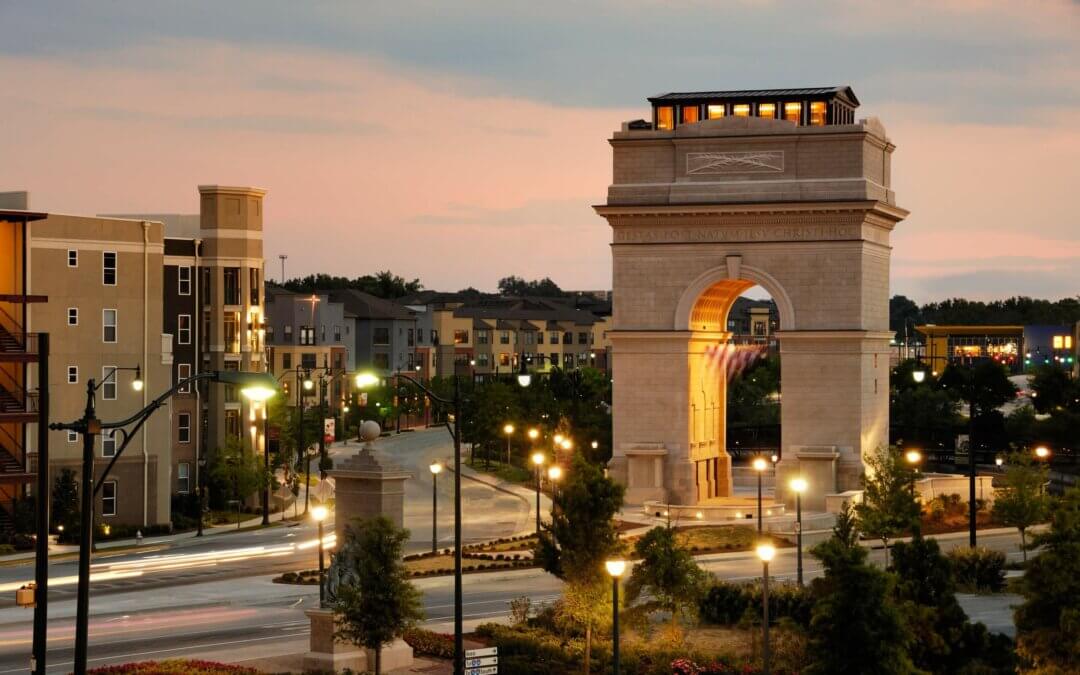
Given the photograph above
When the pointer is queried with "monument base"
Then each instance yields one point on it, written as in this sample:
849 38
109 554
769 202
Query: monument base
326 653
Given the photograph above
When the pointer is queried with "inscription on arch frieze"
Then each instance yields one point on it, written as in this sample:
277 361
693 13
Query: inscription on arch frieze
737 234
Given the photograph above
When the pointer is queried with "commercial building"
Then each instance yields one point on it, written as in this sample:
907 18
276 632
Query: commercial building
1018 348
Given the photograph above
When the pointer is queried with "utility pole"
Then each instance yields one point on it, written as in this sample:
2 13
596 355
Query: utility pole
283 257
41 504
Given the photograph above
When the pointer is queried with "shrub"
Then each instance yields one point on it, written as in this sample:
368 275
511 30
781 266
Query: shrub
174 667
725 603
430 643
978 569
6 549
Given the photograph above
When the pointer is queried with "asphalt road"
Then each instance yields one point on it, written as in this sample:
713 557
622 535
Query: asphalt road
249 617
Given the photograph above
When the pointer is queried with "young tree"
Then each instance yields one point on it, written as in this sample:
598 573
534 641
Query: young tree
667 574
379 603
1021 501
65 502
888 507
1048 620
581 537
855 626
237 471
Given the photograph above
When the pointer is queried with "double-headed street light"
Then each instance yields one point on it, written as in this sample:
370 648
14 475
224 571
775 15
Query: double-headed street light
615 568
254 386
765 552
798 486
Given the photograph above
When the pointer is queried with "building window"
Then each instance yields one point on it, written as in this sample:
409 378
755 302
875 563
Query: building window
690 114
793 112
73 316
434 337
583 338
72 436
108 498
504 359
461 337
337 333
741 110
108 325
410 361
183 280
568 361
530 337
231 279
108 443
322 333
231 330
381 361
183 329
232 423
539 337
554 337
665 118
411 338
307 335
288 332
183 478
504 337
308 360
716 111
286 361
108 379
183 371
253 286
381 337
183 427
482 360
73 258
108 268
568 338
817 113
73 374
481 337
767 110
554 360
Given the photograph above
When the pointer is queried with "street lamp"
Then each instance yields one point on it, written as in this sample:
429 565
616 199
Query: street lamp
615 568
765 552
759 465
798 486
913 457
1042 452
256 386
454 427
918 375
318 514
524 378
558 439
538 462
534 434
998 461
555 473
508 429
436 468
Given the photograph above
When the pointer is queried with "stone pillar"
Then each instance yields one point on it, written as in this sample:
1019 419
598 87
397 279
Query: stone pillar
365 488
327 653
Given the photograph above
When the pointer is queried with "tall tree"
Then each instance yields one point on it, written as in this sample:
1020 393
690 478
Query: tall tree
855 626
888 507
667 574
581 537
380 603
65 503
1054 389
904 315
383 284
1021 501
237 471
1048 620
518 287
986 387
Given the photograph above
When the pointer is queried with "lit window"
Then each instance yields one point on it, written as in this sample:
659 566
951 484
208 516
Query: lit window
1059 342
716 111
793 112
183 477
108 268
1068 342
73 258
665 118
817 113
108 498
73 374
741 110
73 316
767 110
690 114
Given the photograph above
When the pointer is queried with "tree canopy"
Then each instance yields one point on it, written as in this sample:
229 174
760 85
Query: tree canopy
888 507
384 284
545 288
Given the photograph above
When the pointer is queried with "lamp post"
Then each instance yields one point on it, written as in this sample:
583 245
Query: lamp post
759 465
918 375
436 468
1042 452
554 476
538 462
765 552
318 514
256 386
615 568
508 429
913 457
364 380
798 486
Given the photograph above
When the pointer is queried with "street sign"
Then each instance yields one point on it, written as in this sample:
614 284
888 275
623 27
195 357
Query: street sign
483 661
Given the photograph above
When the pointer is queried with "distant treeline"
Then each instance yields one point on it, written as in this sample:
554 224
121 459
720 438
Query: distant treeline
1020 311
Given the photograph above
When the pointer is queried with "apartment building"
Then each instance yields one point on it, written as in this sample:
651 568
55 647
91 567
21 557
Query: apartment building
310 332
384 333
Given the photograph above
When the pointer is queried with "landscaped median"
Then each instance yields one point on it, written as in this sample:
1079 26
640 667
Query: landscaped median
174 667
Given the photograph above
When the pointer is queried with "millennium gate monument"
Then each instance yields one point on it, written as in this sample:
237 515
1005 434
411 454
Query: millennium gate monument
719 192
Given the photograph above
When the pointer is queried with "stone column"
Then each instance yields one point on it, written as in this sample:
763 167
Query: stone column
365 487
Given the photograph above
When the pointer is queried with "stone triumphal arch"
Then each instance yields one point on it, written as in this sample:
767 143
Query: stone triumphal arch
701 211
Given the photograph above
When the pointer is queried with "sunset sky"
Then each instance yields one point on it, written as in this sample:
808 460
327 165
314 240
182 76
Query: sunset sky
463 142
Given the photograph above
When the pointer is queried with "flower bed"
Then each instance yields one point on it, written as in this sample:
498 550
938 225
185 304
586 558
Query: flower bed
174 667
